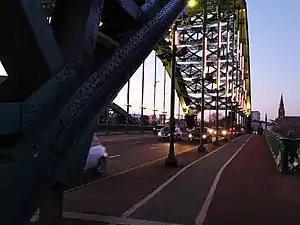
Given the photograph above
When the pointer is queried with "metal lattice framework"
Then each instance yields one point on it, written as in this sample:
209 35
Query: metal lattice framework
48 120
226 58
69 85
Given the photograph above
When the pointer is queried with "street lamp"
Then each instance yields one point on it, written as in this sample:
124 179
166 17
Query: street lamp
201 147
164 100
128 106
171 160
192 3
142 99
155 85
216 142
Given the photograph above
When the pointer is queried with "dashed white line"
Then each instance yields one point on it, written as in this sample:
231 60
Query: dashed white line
114 156
161 187
134 168
203 212
111 219
154 147
125 171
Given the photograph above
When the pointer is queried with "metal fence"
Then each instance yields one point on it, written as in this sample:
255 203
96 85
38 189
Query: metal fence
285 150
121 128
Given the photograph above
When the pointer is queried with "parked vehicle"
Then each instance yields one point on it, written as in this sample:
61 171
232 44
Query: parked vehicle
164 134
195 135
96 161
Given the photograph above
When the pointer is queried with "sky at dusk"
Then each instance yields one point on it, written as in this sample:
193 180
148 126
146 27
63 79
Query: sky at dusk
274 45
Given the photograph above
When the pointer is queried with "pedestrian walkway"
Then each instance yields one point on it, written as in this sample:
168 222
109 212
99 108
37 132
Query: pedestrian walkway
250 191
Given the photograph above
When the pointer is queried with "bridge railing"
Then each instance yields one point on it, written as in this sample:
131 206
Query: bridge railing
285 150
121 128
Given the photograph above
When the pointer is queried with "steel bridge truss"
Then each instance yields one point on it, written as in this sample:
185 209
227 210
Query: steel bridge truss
223 60
226 59
76 68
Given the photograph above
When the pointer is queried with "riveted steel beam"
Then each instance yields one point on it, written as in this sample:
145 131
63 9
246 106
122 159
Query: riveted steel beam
44 150
75 25
25 34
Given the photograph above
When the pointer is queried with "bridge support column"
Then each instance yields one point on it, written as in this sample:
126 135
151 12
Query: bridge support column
51 209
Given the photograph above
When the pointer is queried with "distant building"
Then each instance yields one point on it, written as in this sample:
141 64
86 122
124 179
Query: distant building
255 116
287 125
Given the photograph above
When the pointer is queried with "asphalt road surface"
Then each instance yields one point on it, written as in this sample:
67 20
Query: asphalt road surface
140 190
129 152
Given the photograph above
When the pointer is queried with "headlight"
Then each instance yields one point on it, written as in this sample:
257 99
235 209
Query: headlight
211 131
105 154
168 135
190 136
214 132
159 133
204 136
224 132
154 128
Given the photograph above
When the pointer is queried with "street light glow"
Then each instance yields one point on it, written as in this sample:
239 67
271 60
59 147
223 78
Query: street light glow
192 3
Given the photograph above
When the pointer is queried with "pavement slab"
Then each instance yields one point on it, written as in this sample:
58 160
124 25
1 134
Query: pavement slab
251 191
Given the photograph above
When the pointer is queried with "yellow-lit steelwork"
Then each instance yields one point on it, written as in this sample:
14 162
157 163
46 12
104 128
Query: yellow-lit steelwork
239 8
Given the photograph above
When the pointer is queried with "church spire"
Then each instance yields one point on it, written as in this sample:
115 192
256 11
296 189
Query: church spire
281 105
281 109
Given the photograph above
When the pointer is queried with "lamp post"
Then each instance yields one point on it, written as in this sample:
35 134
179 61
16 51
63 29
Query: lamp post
171 160
266 121
164 100
128 106
216 142
201 147
155 84
178 113
227 72
142 98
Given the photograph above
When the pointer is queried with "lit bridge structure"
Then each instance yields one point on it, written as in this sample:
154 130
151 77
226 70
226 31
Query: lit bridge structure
63 68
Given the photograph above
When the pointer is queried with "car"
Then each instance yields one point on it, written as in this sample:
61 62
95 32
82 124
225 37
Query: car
195 134
222 133
157 128
164 134
96 161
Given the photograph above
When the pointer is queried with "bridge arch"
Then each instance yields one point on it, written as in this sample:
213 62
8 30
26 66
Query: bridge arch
60 106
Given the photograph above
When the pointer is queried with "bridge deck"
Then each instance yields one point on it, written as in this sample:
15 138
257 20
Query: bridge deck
250 191
234 184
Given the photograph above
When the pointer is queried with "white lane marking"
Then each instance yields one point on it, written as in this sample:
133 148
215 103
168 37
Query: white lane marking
112 219
137 142
134 168
126 171
107 140
161 187
114 156
203 212
154 147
